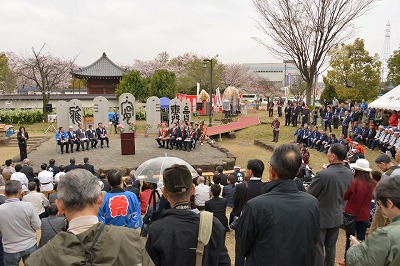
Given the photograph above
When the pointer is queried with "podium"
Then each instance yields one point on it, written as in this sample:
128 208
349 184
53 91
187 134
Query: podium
128 143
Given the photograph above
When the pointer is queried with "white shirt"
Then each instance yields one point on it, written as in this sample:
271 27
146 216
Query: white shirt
21 177
202 194
38 200
46 180
57 176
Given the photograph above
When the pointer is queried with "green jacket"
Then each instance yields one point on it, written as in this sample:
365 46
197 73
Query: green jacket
115 246
381 248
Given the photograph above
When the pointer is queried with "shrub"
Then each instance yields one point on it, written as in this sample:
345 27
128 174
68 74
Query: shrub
19 116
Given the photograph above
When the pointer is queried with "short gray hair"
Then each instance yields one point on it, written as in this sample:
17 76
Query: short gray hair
12 187
78 189
2 182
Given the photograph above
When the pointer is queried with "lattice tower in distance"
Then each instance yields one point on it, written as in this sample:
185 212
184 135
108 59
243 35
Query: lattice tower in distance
385 53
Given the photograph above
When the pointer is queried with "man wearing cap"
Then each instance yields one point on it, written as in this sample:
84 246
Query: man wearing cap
388 138
379 134
239 176
329 187
173 233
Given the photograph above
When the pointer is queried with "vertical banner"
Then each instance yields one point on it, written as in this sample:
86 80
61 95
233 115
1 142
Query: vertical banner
127 110
100 110
62 109
175 111
153 113
75 113
186 111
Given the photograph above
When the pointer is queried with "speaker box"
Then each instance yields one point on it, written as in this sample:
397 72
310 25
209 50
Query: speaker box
49 107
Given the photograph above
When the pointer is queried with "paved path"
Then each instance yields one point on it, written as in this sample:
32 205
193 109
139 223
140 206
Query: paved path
105 159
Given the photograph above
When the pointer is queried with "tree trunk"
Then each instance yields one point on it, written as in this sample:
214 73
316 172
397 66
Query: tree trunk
45 102
309 91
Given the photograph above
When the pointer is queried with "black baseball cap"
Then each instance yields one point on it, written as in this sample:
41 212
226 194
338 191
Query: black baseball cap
177 178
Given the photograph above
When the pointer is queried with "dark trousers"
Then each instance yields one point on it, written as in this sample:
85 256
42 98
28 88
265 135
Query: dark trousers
294 122
326 246
239 258
270 112
304 120
276 135
336 122
279 111
62 144
22 151
315 120
345 131
375 143
359 232
328 124
287 120
71 143
93 143
102 141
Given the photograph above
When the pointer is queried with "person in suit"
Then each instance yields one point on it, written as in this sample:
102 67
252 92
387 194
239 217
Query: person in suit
244 192
220 173
28 170
92 136
288 114
52 167
129 186
115 120
329 187
328 119
103 178
72 139
101 133
175 131
82 137
87 165
217 205
71 165
22 137
62 139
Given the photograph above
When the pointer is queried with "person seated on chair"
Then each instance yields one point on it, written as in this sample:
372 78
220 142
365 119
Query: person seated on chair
175 130
102 134
62 139
188 142
73 139
92 136
82 137
181 137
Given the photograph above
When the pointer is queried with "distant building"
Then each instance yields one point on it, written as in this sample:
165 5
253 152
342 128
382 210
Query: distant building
281 74
102 76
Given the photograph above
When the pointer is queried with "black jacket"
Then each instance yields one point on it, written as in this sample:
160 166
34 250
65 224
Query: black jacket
217 206
89 167
28 171
239 196
279 227
172 240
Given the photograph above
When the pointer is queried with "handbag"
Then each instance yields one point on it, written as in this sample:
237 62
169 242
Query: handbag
349 222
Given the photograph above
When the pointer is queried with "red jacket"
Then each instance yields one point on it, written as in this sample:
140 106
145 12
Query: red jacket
359 196
394 120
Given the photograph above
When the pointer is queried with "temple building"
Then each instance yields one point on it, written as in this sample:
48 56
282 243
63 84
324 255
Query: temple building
102 76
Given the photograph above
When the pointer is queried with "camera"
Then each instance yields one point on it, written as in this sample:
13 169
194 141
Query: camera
234 223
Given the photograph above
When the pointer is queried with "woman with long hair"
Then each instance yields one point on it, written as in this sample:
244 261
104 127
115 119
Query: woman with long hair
359 196
22 137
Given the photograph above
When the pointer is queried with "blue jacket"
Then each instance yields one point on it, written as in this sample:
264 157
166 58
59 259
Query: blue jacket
323 137
58 135
121 208
298 132
357 130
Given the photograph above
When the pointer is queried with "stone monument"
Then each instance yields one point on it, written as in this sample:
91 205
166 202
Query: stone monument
153 113
100 110
75 113
127 110
175 111
62 109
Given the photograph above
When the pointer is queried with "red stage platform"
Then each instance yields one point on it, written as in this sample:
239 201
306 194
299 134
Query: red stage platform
243 122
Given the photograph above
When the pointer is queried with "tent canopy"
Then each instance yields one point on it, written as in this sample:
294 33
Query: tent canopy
164 102
390 100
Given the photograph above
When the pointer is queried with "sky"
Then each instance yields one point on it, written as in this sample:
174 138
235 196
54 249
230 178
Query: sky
138 29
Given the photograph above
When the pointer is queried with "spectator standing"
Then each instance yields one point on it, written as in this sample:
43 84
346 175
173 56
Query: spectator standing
329 187
18 224
120 207
358 197
217 205
201 194
239 176
229 190
144 197
115 120
394 119
38 200
51 225
175 231
381 247
275 129
288 114
244 192
280 226
79 199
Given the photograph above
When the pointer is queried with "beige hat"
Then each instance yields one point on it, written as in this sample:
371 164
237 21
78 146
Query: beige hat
361 165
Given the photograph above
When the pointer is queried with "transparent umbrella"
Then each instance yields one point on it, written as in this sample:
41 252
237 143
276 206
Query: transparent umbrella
152 170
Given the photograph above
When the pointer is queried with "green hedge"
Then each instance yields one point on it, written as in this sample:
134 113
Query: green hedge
21 116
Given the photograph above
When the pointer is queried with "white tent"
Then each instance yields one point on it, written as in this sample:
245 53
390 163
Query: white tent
390 100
